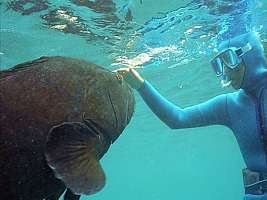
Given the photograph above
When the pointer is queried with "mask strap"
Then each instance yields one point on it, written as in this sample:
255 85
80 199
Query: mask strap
246 48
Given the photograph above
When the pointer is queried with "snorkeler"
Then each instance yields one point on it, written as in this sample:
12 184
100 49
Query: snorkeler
240 63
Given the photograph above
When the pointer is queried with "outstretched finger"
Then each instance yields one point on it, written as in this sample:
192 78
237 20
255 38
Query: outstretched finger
121 70
137 67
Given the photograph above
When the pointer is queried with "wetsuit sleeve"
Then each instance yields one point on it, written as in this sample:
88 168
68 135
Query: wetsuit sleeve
213 111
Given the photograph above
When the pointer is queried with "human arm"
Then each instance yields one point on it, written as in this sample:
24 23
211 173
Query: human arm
213 111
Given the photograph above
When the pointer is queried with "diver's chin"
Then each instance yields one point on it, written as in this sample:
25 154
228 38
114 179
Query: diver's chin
225 83
235 86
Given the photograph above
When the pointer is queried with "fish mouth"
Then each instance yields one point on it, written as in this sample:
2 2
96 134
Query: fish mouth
105 136
121 117
113 109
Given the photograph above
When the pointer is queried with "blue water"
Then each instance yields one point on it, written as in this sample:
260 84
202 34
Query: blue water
149 161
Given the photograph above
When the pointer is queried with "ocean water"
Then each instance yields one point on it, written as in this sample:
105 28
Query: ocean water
173 40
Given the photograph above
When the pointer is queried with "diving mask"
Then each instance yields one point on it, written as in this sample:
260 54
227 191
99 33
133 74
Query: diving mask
230 57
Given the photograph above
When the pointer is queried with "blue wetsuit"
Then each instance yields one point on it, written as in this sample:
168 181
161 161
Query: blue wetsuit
239 110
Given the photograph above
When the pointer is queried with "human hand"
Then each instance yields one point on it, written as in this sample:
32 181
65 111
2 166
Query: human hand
131 76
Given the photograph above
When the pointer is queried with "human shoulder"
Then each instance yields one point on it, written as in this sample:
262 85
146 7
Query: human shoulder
237 97
265 48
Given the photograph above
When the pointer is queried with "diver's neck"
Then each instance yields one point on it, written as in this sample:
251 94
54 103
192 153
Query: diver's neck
258 85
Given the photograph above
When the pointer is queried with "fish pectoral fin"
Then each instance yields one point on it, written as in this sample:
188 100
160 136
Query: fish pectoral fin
71 153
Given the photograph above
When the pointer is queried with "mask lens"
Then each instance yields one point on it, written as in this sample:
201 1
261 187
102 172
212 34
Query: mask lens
230 58
217 66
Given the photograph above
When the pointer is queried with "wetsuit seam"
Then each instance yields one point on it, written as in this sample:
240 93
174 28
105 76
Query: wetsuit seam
258 128
229 123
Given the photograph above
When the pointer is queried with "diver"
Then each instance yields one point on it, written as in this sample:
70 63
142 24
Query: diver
241 64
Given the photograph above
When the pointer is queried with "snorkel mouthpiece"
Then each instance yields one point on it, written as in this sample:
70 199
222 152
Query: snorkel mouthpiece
225 81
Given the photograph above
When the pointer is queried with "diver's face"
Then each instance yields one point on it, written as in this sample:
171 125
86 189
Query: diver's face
236 75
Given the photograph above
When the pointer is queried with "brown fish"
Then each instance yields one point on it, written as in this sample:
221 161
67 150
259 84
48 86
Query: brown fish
58 118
